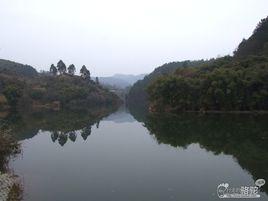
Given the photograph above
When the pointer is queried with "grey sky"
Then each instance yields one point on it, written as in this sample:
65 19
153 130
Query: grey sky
121 36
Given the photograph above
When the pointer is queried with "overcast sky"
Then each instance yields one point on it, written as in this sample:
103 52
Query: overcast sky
122 36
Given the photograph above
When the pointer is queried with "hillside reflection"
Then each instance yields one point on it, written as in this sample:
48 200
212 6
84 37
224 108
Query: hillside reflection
245 137
62 126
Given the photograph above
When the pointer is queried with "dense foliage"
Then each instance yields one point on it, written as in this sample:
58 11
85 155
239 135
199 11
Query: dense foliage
225 84
138 93
53 90
49 92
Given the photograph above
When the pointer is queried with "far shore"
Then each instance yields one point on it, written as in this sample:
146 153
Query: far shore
255 112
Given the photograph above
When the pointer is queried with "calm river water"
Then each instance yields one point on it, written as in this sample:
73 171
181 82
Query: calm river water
120 157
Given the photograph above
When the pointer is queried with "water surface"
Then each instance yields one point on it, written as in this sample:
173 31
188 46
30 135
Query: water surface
153 158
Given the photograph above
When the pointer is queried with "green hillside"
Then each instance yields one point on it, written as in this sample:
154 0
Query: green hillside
10 67
238 83
22 88
138 94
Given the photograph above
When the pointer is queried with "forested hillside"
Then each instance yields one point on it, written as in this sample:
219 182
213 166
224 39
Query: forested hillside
10 67
238 83
138 94
22 88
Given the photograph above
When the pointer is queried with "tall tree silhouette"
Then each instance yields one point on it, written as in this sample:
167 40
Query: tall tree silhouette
85 73
61 67
71 69
53 69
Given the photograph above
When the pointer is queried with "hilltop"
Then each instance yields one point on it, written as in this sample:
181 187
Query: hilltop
257 43
21 87
10 67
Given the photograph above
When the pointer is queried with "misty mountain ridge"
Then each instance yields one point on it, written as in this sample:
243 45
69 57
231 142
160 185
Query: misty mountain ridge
121 80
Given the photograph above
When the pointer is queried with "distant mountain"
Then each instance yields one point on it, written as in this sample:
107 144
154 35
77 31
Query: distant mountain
257 44
120 80
129 78
114 82
10 67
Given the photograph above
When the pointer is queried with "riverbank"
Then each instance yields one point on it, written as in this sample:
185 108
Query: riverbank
10 188
174 111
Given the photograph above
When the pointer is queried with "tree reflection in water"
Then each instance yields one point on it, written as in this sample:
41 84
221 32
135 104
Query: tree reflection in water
62 125
86 132
245 137
72 136
63 137
54 136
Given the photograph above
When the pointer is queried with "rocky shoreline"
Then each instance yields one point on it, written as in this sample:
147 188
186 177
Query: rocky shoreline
9 185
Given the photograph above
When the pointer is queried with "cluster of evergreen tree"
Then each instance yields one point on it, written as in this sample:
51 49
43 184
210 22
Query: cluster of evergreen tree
62 69
228 83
